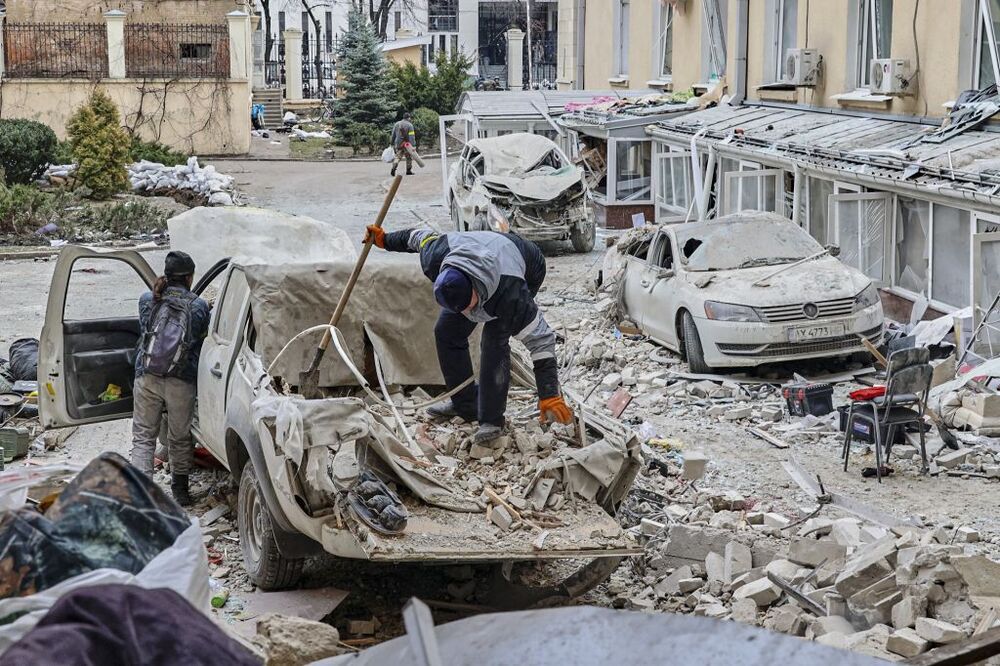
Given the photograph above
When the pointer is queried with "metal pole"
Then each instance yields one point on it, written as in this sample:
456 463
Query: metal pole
531 69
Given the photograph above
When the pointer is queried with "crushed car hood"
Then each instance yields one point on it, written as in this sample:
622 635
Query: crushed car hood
538 185
823 279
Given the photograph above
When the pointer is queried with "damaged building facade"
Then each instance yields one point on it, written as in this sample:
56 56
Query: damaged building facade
834 120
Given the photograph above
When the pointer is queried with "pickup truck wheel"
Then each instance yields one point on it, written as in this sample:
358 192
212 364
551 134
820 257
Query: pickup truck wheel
692 346
267 567
583 236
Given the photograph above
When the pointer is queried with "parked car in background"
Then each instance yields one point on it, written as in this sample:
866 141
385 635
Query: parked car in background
744 290
522 183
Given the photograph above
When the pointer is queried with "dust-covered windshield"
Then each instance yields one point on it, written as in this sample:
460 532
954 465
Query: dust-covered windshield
736 244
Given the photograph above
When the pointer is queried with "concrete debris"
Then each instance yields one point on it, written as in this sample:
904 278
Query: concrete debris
936 631
906 643
293 641
763 592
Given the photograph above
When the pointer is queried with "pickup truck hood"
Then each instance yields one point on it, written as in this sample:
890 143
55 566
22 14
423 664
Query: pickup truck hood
823 279
537 186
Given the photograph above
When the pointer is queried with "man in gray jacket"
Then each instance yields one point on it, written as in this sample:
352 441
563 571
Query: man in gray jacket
489 278
403 136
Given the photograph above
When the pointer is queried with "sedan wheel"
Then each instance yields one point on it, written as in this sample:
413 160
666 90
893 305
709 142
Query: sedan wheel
692 346
456 217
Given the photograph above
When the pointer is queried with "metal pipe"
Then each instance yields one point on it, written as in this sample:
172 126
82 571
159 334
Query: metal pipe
742 37
709 177
581 39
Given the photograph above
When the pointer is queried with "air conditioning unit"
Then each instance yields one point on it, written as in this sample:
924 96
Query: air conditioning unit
801 67
890 76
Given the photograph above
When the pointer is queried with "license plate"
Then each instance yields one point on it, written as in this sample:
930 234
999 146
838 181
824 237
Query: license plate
808 333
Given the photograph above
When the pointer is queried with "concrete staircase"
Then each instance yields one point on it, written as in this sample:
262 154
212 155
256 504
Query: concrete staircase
271 98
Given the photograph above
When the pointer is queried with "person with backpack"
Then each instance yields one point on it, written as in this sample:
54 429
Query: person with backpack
173 323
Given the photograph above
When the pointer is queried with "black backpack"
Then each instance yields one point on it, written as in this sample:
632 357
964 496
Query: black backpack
168 336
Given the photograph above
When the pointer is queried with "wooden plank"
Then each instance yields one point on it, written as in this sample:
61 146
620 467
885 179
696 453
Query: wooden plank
767 437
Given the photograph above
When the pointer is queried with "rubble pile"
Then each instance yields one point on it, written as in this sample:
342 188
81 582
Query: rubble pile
190 182
841 581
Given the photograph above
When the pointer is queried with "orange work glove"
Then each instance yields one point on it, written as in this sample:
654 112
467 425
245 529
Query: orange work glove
555 409
376 234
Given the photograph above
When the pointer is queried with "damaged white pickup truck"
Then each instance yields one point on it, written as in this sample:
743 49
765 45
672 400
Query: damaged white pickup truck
521 183
305 468
741 291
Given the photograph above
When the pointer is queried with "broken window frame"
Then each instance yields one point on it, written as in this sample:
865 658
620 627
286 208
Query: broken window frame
986 38
869 29
982 299
713 39
888 200
664 37
667 209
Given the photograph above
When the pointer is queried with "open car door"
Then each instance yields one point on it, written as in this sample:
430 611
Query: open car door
88 344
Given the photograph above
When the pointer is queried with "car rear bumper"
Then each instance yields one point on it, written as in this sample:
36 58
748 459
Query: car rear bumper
739 344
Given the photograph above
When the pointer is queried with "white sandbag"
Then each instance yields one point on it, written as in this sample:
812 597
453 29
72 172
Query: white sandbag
388 154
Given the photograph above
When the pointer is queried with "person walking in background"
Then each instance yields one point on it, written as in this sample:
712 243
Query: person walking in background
403 136
173 323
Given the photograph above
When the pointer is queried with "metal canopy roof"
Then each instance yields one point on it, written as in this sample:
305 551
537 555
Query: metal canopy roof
866 149
525 104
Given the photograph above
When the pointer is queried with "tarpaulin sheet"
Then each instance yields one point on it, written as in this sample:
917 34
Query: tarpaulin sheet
393 299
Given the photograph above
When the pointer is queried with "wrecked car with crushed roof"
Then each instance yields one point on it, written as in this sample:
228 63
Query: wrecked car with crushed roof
360 473
741 291
521 183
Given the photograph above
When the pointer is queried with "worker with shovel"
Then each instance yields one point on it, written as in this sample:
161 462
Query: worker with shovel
489 278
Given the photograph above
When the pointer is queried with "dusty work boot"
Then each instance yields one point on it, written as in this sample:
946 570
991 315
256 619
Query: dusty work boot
487 433
392 171
179 489
409 173
447 410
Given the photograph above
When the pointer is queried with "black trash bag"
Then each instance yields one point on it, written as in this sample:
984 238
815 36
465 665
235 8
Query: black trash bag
24 359
110 516
125 624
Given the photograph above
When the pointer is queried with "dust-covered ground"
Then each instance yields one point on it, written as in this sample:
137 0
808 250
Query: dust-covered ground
348 195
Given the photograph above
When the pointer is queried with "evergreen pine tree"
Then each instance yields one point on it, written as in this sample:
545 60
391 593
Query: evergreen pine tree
365 112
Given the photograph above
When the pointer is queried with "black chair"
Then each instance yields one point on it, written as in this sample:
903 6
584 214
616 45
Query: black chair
908 383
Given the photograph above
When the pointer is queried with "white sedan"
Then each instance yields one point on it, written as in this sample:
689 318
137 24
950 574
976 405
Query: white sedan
744 290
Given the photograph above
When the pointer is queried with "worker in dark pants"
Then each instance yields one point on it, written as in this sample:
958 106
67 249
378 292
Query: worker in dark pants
404 136
489 278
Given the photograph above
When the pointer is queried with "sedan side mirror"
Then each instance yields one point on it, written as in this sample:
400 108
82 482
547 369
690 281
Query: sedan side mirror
834 250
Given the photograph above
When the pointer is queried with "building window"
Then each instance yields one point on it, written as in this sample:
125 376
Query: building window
874 36
784 24
305 34
633 166
329 32
442 44
621 34
397 22
664 57
987 69
713 39
442 16
454 44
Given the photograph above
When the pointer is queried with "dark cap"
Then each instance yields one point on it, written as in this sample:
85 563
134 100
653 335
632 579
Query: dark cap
453 290
178 264
407 115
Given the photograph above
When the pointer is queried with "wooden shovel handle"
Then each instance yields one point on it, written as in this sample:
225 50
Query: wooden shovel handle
346 296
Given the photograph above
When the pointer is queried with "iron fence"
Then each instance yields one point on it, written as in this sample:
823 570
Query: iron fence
56 50
165 50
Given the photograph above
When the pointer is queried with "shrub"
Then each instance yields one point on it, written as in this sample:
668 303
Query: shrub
63 152
413 85
100 147
155 152
450 80
25 209
425 122
26 148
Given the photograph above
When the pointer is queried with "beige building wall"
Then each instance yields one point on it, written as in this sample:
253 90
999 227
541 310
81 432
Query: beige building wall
173 11
567 44
830 27
643 52
201 117
410 54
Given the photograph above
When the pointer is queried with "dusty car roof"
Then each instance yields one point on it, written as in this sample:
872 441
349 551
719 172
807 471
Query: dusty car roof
513 152
688 228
